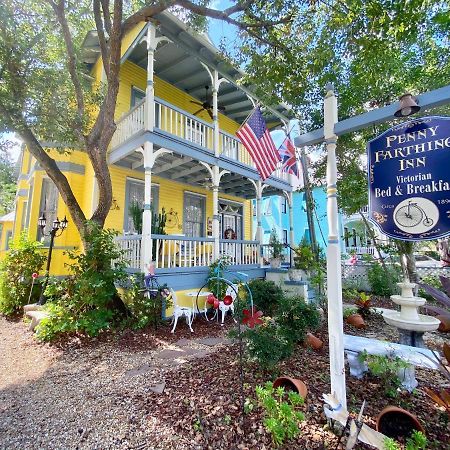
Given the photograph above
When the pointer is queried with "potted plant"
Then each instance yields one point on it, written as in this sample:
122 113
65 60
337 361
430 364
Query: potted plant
135 211
352 317
304 262
275 250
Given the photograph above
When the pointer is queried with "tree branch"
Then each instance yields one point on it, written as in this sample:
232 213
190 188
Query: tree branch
71 61
101 35
48 164
107 16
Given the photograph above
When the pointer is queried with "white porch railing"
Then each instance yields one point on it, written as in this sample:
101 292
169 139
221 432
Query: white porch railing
129 124
240 252
361 250
131 245
180 251
266 254
182 124
186 126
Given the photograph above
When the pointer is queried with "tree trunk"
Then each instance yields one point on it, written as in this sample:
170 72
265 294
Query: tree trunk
407 249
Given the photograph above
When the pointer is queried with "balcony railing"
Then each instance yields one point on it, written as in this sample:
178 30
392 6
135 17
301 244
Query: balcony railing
185 126
171 251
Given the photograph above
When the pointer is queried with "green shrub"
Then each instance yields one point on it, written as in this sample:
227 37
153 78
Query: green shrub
87 300
381 283
266 295
281 417
145 309
275 340
295 318
386 368
24 258
268 345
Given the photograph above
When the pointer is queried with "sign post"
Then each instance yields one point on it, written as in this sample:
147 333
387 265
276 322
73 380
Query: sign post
409 180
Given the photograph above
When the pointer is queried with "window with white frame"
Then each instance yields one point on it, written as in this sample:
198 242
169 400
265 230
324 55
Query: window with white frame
134 194
194 215
137 95
285 236
49 202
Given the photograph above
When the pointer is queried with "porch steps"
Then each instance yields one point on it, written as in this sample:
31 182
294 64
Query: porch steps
35 313
300 288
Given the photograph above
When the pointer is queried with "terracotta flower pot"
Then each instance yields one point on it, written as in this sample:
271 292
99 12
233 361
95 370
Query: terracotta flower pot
356 320
291 384
314 342
444 326
396 422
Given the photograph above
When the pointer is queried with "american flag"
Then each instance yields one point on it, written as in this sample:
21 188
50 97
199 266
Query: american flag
257 140
288 158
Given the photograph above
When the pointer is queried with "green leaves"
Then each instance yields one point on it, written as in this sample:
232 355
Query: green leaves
22 260
281 417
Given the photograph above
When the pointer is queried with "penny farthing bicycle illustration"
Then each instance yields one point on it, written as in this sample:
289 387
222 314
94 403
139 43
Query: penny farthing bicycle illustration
411 215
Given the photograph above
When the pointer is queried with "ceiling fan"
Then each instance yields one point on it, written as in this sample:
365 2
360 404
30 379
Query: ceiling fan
207 105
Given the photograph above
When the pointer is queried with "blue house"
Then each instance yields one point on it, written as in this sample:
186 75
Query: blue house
275 215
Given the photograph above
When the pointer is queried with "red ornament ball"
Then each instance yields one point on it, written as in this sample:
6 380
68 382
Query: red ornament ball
210 299
227 300
216 303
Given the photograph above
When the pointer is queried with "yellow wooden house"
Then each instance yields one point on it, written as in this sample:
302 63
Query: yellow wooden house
179 107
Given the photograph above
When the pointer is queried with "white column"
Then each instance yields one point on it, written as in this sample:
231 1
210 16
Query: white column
147 244
215 224
290 200
259 230
215 90
334 283
149 111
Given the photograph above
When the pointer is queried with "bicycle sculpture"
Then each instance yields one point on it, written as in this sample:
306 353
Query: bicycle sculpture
155 294
411 215
221 294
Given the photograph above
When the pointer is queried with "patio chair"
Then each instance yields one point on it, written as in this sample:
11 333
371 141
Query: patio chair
180 311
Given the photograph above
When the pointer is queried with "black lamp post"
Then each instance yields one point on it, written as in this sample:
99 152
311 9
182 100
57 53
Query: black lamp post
57 229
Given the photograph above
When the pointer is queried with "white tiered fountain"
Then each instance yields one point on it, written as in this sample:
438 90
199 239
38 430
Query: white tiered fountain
410 323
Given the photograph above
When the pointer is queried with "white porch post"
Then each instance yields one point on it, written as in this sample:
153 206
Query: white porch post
147 152
149 109
215 223
334 283
259 231
290 201
146 245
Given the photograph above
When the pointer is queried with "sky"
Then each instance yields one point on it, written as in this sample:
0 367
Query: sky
15 150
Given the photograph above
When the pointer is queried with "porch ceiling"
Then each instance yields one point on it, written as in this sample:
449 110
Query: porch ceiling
183 169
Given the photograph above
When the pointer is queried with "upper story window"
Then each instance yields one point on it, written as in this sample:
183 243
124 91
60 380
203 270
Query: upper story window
137 95
48 206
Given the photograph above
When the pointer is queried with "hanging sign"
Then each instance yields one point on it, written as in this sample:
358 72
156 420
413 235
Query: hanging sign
409 180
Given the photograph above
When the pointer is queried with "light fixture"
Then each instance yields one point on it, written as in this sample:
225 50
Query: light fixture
55 224
63 224
408 105
42 221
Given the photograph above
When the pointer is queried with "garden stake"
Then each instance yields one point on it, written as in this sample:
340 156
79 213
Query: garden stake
33 277
347 423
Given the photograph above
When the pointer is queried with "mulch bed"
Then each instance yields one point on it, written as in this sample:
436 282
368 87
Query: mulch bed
201 400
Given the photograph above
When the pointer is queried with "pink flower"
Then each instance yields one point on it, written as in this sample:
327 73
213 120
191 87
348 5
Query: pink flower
252 318
35 275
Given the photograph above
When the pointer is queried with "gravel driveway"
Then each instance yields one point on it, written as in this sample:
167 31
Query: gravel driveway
87 396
